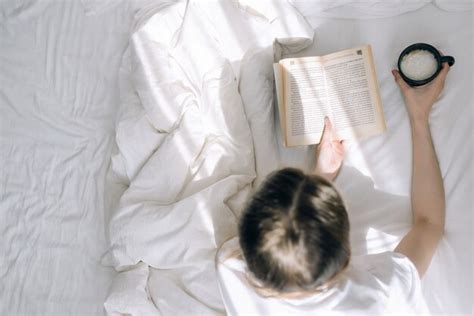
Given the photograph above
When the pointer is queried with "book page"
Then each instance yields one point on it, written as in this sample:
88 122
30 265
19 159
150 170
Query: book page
341 86
277 71
353 93
306 100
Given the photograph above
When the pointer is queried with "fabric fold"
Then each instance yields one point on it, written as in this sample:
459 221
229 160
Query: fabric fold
186 153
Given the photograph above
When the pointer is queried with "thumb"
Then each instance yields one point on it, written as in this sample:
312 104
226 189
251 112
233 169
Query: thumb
399 80
327 132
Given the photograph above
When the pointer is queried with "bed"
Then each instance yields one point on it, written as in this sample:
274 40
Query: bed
132 136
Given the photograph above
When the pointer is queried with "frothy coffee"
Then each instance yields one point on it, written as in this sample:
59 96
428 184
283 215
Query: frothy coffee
419 64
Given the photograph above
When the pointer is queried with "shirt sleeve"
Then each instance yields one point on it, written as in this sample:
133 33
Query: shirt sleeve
400 280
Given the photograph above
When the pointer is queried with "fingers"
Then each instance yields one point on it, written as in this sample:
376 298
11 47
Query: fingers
443 73
399 80
328 137
438 82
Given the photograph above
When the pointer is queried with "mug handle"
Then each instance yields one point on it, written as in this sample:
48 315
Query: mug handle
448 59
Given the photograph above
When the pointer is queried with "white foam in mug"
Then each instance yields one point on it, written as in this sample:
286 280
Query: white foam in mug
420 63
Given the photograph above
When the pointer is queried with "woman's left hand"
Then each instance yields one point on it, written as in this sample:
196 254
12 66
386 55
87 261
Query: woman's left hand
329 153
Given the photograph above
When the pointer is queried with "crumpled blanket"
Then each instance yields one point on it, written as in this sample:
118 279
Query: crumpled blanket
186 158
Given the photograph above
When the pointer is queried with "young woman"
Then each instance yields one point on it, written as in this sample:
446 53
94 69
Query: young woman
293 253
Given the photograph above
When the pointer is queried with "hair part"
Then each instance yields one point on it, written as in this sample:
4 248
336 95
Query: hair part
294 232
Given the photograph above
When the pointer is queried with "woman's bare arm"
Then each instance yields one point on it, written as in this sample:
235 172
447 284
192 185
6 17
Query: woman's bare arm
427 192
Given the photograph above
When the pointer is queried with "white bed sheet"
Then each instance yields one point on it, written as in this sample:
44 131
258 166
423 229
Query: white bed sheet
375 179
58 101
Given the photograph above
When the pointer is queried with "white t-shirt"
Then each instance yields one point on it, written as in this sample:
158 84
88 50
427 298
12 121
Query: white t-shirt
380 284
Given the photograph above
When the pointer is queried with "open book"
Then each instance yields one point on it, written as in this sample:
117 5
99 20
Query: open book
342 86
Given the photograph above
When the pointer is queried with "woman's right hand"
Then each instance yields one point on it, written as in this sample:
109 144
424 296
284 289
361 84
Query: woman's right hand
329 153
419 100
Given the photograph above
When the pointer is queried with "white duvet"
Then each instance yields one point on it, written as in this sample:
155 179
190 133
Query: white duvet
196 130
186 155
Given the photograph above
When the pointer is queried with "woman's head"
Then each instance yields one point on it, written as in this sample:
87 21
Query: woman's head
294 232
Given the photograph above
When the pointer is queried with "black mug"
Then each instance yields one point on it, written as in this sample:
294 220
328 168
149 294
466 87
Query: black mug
436 54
